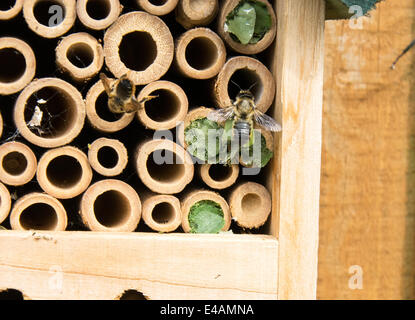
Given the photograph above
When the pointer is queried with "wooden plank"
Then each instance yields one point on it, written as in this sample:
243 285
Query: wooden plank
299 69
95 265
367 212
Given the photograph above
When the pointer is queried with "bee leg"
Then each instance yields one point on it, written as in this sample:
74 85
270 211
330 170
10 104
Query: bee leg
148 98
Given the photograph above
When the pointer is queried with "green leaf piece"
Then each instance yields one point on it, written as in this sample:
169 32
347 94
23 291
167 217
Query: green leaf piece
263 22
2 228
206 216
196 136
265 156
242 22
248 22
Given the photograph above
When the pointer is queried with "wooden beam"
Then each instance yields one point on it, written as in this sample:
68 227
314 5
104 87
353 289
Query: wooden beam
99 265
299 70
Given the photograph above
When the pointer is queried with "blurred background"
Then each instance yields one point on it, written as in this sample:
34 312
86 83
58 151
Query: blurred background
367 204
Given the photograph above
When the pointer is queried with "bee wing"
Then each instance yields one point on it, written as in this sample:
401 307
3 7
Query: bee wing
106 82
266 122
221 115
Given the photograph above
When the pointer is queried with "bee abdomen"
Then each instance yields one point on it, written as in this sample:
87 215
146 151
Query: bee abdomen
244 129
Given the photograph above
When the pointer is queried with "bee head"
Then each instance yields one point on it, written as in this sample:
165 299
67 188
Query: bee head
247 94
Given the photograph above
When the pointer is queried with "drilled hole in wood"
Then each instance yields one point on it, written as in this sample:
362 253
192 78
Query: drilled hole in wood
137 50
14 163
64 171
133 295
39 216
42 15
163 212
201 53
11 294
245 79
80 55
12 65
165 172
98 9
107 157
112 208
163 108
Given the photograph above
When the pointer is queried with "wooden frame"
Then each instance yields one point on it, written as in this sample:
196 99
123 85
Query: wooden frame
283 265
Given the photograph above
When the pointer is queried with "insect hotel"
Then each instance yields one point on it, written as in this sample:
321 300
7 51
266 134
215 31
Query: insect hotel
95 92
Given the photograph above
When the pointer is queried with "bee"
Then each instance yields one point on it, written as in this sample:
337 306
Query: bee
121 94
244 114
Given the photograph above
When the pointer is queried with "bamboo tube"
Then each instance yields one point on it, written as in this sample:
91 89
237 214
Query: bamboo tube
5 202
168 173
38 211
200 53
197 113
80 55
7 13
218 176
108 157
49 19
98 114
191 13
63 112
158 7
261 45
1 125
111 205
199 195
167 109
98 14
162 212
64 172
245 72
139 44
250 204
18 163
17 65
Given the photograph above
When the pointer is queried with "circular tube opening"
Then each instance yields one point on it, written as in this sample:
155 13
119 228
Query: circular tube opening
39 216
165 172
201 53
102 110
163 108
107 157
14 163
12 65
112 208
137 50
42 15
6 5
163 212
58 109
98 9
219 172
251 203
158 2
80 55
64 171
245 79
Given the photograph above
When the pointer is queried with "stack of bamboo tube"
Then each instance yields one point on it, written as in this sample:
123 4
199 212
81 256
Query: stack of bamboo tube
68 163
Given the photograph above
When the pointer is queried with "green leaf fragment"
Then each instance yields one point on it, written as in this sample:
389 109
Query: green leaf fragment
248 22
262 159
2 228
197 138
242 25
206 216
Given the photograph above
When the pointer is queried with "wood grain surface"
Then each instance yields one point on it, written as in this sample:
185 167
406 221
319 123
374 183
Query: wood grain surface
368 163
